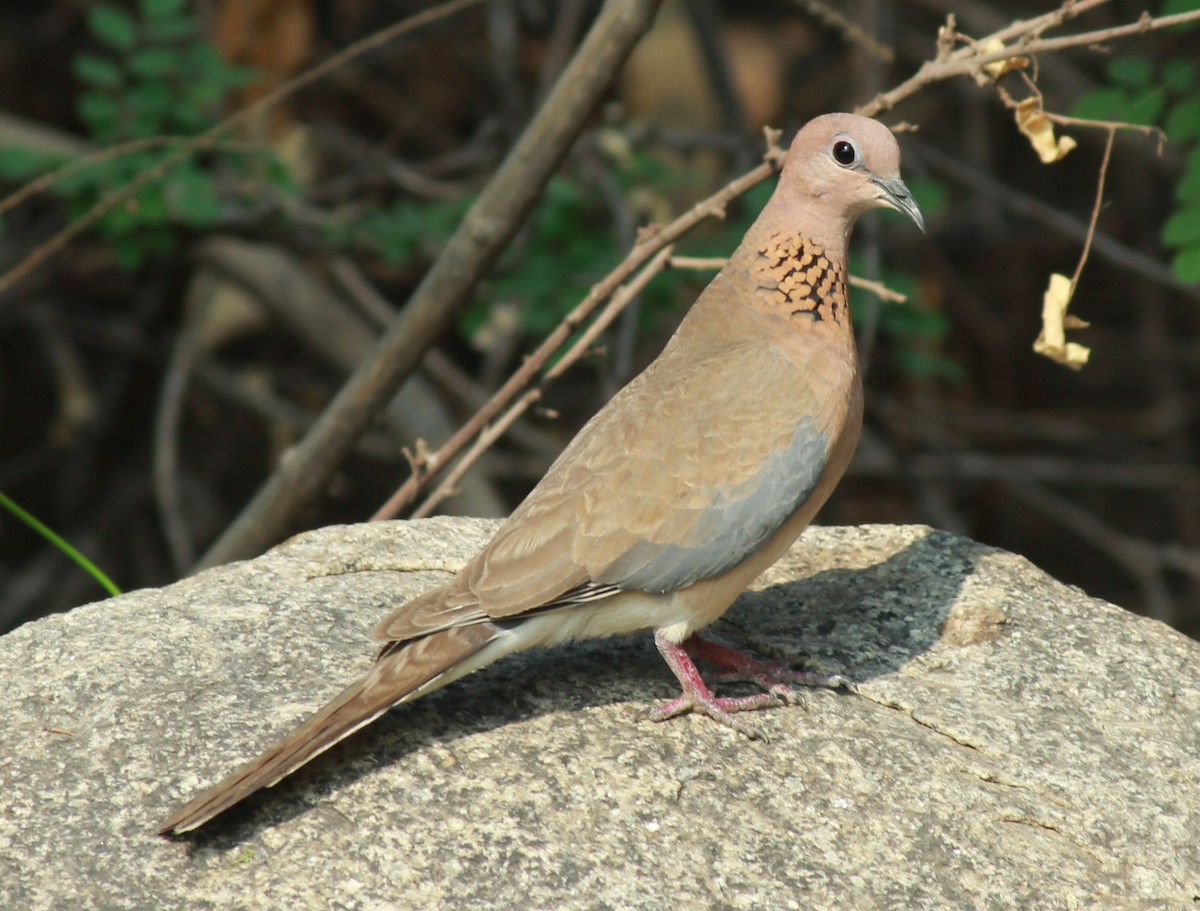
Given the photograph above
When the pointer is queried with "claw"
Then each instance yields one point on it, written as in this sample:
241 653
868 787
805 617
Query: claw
772 676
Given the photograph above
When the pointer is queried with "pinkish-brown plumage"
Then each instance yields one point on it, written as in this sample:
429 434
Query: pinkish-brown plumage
693 479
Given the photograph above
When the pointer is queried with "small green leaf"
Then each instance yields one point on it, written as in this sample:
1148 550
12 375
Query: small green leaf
1172 7
168 29
98 72
128 253
1135 72
1188 188
1182 229
1179 76
236 77
157 9
20 163
101 113
1148 107
194 198
1102 104
933 364
158 242
151 100
153 62
112 26
119 220
1186 265
1183 122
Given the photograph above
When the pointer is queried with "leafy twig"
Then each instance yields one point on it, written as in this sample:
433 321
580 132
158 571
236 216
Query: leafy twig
206 139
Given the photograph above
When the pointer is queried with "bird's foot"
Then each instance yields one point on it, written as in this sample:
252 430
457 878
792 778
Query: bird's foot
718 708
775 677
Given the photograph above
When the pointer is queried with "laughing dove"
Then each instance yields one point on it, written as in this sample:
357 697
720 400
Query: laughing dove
690 482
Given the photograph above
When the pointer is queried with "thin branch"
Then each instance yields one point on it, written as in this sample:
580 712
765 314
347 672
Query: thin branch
831 18
50 178
620 300
970 60
493 219
206 139
1091 232
879 289
650 244
707 263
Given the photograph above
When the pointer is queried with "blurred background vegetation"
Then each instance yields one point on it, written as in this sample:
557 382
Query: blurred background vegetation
152 373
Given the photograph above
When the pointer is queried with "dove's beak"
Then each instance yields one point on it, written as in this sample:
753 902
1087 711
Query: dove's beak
896 196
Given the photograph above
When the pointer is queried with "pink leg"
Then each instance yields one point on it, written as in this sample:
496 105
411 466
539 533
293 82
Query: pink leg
772 676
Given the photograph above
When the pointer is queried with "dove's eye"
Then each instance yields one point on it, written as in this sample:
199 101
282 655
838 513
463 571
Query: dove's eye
845 153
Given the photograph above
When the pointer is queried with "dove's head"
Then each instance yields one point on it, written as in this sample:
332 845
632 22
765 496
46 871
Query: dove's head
841 165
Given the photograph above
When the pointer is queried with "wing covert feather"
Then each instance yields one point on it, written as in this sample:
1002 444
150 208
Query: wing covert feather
632 504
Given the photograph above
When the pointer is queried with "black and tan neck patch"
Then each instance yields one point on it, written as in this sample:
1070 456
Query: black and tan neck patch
794 274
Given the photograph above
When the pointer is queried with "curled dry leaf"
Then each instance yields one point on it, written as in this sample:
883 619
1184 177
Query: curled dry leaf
998 68
1033 122
1052 340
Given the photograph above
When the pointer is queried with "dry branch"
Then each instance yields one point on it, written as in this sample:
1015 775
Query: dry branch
493 219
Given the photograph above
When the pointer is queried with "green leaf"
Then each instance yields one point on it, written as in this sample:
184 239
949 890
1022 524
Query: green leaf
1182 229
151 103
119 220
112 26
101 113
157 9
158 242
98 72
236 77
1186 265
1183 122
1148 107
150 207
1135 72
128 253
20 163
170 29
194 198
153 62
929 364
1188 188
1172 7
1102 104
1179 75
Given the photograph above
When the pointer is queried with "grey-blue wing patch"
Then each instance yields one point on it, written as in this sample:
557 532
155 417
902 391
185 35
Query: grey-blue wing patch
738 522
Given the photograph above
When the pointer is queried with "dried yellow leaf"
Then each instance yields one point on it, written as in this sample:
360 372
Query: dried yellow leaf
998 68
1033 122
1052 340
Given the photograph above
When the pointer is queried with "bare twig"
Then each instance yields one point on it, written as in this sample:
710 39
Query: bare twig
647 247
1091 232
828 16
970 60
707 263
619 301
700 263
483 233
206 139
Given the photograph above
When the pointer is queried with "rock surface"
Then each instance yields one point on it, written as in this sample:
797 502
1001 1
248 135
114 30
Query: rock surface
1013 744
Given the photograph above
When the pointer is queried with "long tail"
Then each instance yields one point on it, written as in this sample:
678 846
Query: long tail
409 671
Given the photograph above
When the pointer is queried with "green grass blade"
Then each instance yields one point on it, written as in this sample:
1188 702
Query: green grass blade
87 565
